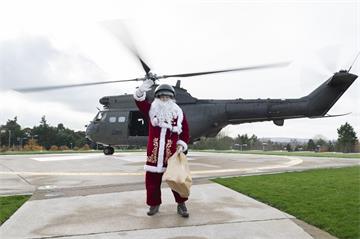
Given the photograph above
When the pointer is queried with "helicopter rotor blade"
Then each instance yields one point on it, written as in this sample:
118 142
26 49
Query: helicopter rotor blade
118 29
279 64
145 67
58 87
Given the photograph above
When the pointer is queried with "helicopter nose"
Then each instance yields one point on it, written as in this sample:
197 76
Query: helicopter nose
90 131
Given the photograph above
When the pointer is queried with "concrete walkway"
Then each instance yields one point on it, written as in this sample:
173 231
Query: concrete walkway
215 212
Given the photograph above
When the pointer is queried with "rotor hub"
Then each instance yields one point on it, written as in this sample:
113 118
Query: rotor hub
151 76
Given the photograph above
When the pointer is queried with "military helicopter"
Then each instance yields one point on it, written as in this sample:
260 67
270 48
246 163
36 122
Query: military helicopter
120 122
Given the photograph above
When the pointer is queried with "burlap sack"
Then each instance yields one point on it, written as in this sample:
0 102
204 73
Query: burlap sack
177 174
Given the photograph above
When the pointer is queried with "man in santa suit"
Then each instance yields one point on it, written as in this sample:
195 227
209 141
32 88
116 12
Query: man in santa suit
168 132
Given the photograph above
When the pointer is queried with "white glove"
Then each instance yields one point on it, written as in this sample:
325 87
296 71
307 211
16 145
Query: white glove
146 85
155 121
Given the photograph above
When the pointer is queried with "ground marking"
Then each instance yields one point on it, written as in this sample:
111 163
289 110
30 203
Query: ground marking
292 162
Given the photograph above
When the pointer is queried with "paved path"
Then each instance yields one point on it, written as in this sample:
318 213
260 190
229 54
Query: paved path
216 212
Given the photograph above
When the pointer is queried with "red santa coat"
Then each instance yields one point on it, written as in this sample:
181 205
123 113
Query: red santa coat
163 139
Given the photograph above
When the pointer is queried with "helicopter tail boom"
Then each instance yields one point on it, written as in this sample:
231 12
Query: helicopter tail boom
326 95
314 105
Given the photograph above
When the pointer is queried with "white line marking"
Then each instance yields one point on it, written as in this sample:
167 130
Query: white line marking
293 161
47 187
59 158
133 158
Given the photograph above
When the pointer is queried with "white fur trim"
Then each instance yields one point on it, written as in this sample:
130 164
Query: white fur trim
160 160
139 98
159 166
182 143
179 122
164 125
153 169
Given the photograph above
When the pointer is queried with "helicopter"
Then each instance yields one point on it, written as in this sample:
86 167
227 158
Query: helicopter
121 123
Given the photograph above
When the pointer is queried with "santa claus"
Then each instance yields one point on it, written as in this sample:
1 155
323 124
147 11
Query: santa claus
168 132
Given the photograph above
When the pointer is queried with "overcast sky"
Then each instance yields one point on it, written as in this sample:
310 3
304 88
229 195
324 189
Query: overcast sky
60 42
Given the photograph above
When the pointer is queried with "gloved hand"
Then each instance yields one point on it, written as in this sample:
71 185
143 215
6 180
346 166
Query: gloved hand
146 85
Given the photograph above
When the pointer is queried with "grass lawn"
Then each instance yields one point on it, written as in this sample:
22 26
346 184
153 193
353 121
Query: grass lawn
285 153
326 198
9 205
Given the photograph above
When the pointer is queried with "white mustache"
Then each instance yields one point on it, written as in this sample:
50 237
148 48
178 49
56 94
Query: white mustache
164 111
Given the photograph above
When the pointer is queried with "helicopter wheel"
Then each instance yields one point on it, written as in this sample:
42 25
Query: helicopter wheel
108 150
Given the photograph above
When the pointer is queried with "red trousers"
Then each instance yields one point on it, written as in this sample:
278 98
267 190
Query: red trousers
153 189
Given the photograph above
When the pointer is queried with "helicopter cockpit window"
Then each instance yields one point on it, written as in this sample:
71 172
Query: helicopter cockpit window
112 119
100 116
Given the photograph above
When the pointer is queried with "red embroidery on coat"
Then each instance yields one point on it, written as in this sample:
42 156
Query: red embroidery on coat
153 157
168 150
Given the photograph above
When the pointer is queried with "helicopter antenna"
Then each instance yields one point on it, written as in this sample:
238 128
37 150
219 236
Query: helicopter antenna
354 61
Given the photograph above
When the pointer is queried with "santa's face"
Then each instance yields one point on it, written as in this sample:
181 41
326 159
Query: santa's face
164 98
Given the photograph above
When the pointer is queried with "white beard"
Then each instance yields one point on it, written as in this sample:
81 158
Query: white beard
162 113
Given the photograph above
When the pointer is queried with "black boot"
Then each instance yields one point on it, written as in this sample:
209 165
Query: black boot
182 210
153 210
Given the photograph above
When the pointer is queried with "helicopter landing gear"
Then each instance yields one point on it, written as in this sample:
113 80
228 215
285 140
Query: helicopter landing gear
108 150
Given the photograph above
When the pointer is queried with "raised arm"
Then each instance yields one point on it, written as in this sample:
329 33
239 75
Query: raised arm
140 97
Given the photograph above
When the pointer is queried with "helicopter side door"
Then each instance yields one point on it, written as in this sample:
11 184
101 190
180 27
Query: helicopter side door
137 124
138 128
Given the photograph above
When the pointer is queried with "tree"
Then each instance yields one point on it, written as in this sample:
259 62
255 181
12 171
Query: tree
46 134
254 142
61 127
242 139
220 142
41 136
321 142
43 122
288 148
331 146
12 134
223 143
346 138
2 135
311 145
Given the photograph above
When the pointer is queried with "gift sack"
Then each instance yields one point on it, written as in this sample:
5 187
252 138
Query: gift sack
177 174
